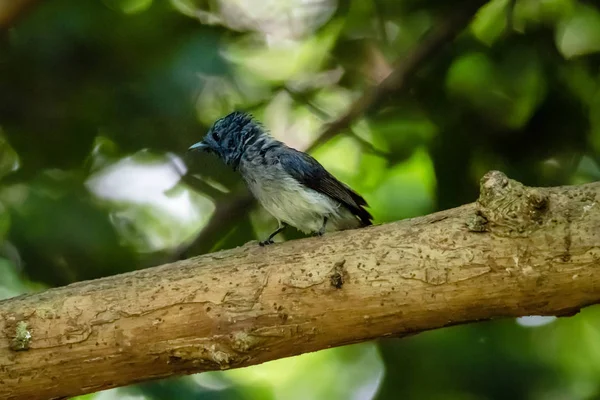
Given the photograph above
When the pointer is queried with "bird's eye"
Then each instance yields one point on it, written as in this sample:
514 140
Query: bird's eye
216 134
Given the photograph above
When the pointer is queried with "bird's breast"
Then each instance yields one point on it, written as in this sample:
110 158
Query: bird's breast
288 200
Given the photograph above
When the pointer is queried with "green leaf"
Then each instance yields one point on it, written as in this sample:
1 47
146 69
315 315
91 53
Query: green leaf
10 283
405 130
104 152
128 6
508 93
588 170
523 75
415 180
490 22
277 64
9 159
580 79
470 74
474 78
546 11
579 34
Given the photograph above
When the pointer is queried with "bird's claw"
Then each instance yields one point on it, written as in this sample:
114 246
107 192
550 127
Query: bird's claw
265 242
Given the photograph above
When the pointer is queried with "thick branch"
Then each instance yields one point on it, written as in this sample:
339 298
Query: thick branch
517 251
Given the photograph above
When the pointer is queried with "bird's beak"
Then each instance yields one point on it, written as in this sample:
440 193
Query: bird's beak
199 146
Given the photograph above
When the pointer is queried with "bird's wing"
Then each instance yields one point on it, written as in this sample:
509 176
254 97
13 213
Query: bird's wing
306 170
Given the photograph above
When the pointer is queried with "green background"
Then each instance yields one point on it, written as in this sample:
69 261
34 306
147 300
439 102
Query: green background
100 99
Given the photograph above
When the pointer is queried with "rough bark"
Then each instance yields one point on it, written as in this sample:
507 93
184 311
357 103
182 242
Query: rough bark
516 251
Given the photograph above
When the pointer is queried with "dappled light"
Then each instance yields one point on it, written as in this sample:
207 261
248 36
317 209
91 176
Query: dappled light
407 102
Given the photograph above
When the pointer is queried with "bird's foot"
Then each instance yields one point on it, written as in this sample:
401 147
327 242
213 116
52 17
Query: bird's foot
266 242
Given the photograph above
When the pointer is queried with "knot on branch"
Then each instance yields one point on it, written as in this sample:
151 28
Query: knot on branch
507 206
339 275
222 353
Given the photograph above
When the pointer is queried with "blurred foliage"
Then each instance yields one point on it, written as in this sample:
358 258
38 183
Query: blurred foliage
101 98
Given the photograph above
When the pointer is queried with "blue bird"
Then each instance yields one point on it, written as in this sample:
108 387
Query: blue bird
291 185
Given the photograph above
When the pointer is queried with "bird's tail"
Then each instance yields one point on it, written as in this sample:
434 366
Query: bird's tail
365 217
359 210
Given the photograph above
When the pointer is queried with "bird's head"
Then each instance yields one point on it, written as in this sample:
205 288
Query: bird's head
229 137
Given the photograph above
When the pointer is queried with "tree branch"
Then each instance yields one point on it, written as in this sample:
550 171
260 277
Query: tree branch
404 68
322 114
516 251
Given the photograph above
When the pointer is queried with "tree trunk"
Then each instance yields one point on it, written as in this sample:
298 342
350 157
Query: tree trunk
516 251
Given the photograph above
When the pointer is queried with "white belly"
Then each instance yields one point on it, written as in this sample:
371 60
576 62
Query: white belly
303 208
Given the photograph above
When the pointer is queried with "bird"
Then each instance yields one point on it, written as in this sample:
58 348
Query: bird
289 184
